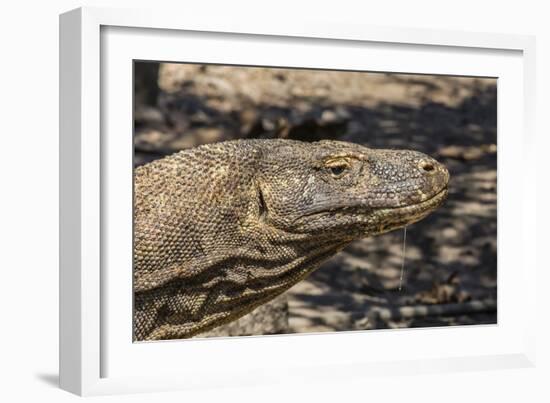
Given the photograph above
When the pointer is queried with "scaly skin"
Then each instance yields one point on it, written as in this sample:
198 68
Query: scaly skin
221 229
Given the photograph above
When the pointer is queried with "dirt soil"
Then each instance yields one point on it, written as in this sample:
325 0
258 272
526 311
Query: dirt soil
450 270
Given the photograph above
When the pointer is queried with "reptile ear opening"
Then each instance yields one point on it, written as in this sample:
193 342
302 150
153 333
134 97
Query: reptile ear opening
262 207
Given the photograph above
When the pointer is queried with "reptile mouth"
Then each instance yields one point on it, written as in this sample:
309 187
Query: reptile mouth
386 216
397 217
434 201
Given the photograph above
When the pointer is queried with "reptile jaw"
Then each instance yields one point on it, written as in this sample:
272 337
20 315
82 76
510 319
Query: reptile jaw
425 206
398 217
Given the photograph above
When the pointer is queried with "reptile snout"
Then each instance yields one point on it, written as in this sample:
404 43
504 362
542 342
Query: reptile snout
431 168
436 172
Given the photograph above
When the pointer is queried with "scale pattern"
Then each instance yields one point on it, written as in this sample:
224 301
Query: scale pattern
223 228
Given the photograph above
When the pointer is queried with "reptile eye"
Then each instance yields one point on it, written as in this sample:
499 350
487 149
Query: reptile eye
337 170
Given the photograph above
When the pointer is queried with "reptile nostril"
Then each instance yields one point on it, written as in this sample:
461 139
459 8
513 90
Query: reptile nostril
427 166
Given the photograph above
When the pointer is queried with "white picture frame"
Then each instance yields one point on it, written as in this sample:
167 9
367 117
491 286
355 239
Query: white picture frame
97 355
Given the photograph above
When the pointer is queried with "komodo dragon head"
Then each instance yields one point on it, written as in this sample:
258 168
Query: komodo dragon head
345 191
223 228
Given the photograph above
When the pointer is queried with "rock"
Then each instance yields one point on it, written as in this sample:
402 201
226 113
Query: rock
270 318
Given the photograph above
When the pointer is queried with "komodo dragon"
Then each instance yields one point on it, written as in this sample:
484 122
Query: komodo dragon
223 228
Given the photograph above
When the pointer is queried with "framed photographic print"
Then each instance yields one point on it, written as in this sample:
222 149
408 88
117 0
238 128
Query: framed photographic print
242 203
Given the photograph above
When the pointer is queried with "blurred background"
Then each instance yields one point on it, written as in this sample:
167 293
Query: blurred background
450 272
